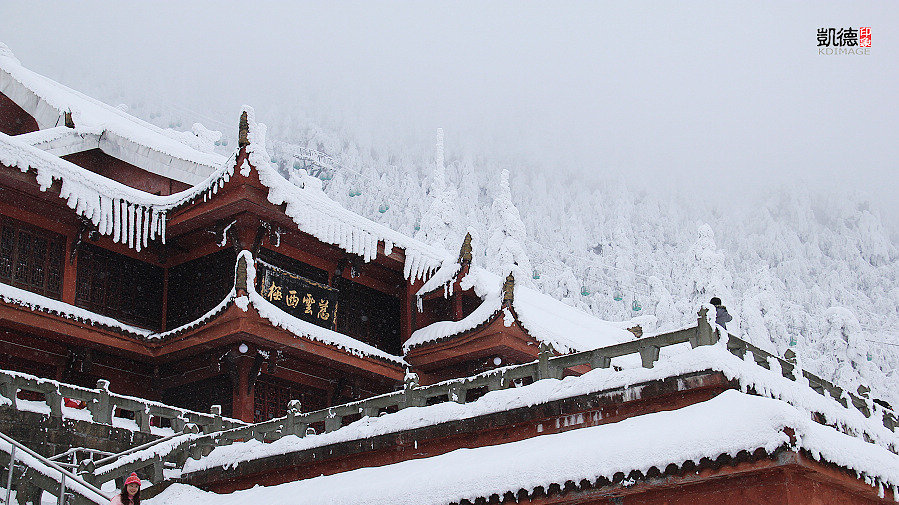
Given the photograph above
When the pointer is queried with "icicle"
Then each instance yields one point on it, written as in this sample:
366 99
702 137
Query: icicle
162 226
101 224
138 228
97 212
65 191
131 224
145 230
123 223
154 223
116 221
79 208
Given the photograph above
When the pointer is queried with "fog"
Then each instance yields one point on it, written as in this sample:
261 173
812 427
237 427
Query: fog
730 98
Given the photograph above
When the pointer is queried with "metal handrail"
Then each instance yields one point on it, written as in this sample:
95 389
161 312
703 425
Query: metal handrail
64 474
112 457
76 450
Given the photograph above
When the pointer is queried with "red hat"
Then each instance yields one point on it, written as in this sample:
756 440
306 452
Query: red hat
132 479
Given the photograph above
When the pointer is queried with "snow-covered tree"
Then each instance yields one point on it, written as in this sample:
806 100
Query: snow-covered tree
442 223
779 264
709 275
506 236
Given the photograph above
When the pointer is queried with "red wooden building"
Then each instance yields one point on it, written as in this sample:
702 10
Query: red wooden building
118 253
140 256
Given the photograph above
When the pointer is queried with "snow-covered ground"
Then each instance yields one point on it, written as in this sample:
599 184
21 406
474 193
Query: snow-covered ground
748 374
731 422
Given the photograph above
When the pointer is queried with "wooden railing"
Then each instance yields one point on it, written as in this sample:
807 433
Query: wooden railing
458 390
103 405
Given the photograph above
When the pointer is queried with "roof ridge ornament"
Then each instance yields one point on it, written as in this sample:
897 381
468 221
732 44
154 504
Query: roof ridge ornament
67 118
243 131
465 251
509 290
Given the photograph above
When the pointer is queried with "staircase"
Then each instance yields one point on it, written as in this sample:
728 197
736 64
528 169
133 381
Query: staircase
29 475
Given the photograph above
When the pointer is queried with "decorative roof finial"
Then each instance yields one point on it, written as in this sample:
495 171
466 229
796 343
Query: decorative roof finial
68 119
465 252
243 131
509 290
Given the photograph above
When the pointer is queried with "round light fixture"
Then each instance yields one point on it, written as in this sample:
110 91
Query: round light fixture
243 348
497 361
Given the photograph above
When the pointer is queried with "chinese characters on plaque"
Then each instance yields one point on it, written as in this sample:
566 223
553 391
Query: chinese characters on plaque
298 296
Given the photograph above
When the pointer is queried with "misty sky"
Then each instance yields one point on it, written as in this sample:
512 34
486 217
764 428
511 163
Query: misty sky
720 95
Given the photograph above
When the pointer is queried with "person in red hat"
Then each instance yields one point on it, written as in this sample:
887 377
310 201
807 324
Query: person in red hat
130 493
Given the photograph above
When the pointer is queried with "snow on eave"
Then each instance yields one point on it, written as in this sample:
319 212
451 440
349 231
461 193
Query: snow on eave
273 314
306 329
868 451
13 295
444 330
589 453
584 331
205 318
442 278
734 424
40 303
48 135
47 101
323 218
131 216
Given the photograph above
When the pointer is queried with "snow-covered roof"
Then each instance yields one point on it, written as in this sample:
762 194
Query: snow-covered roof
131 216
182 156
679 361
320 216
732 422
565 328
134 217
40 303
303 328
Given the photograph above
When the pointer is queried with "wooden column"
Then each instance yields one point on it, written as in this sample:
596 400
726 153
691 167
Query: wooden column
408 309
165 299
243 389
69 271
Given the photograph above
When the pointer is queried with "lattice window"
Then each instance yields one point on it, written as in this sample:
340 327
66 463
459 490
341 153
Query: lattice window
199 285
271 399
31 258
119 286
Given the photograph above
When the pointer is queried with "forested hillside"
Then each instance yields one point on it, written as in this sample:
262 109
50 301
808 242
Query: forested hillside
797 269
